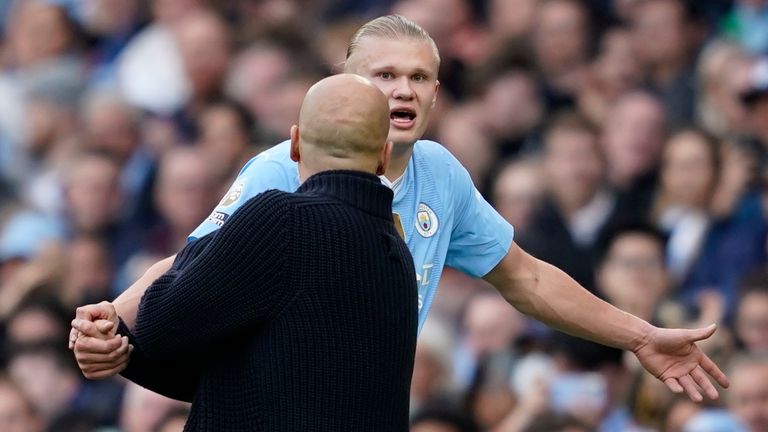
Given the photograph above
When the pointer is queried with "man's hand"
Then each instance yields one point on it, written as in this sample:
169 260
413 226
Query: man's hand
99 351
672 356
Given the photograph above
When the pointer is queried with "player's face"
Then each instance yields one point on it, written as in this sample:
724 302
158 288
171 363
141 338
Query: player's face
406 71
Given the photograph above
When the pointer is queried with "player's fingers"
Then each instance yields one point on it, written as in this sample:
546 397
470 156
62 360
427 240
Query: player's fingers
92 345
711 368
702 333
673 385
104 373
73 335
701 379
104 326
690 388
86 327
111 359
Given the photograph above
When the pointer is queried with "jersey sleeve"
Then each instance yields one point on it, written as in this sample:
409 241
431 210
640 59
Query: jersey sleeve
480 237
268 170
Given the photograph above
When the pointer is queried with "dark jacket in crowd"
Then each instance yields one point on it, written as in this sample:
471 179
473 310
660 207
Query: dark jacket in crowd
299 314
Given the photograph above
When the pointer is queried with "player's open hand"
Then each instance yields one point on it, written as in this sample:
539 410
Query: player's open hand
672 356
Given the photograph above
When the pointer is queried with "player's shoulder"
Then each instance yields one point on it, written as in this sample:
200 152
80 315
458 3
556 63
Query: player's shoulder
277 157
433 153
433 156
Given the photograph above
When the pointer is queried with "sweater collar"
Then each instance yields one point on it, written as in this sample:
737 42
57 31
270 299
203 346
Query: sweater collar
356 188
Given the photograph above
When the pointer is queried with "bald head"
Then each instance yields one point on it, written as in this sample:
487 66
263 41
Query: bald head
343 124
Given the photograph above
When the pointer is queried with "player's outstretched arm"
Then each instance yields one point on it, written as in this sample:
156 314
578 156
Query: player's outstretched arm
548 294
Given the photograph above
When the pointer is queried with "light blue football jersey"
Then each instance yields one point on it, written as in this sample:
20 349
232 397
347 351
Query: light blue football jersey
445 219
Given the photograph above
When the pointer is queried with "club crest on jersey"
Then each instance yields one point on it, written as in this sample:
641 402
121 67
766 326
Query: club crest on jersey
426 221
233 195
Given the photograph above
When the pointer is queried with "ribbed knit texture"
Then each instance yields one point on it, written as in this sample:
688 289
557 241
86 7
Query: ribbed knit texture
299 314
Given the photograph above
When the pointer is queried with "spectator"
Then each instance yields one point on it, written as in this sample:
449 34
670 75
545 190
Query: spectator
676 30
752 313
88 271
723 74
631 273
36 321
490 325
632 141
748 395
17 414
226 137
614 71
517 192
144 411
578 204
561 41
704 252
183 196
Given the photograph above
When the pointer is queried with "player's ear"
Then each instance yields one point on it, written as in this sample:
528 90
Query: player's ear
386 154
437 90
295 154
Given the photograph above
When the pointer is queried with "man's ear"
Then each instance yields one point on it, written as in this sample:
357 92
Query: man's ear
386 155
295 154
437 90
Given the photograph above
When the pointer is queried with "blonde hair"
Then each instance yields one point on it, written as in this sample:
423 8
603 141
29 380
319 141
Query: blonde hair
392 27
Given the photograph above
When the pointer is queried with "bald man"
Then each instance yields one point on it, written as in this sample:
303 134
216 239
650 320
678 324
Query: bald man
302 308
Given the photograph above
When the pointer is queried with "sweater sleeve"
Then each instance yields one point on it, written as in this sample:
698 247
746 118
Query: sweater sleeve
176 380
224 286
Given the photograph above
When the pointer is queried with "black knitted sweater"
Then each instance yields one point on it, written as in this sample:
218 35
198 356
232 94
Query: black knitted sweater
299 314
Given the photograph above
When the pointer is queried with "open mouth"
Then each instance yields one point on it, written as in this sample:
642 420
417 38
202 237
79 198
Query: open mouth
403 118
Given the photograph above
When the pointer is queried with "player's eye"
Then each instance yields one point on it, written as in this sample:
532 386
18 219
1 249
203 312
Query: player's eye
386 75
419 78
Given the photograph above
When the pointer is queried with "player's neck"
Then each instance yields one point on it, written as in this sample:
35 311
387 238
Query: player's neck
401 154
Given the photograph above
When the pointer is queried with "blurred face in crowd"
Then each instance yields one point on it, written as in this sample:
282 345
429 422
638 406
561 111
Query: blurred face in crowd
38 31
204 45
752 321
663 22
283 103
50 386
143 410
112 126
511 105
16 413
491 324
34 325
184 194
224 137
109 17
88 272
616 69
166 11
255 72
93 193
688 171
560 37
460 133
633 276
511 18
633 137
573 166
748 394
517 192
406 71
440 18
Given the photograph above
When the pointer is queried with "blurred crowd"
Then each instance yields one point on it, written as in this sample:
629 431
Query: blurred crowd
626 141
